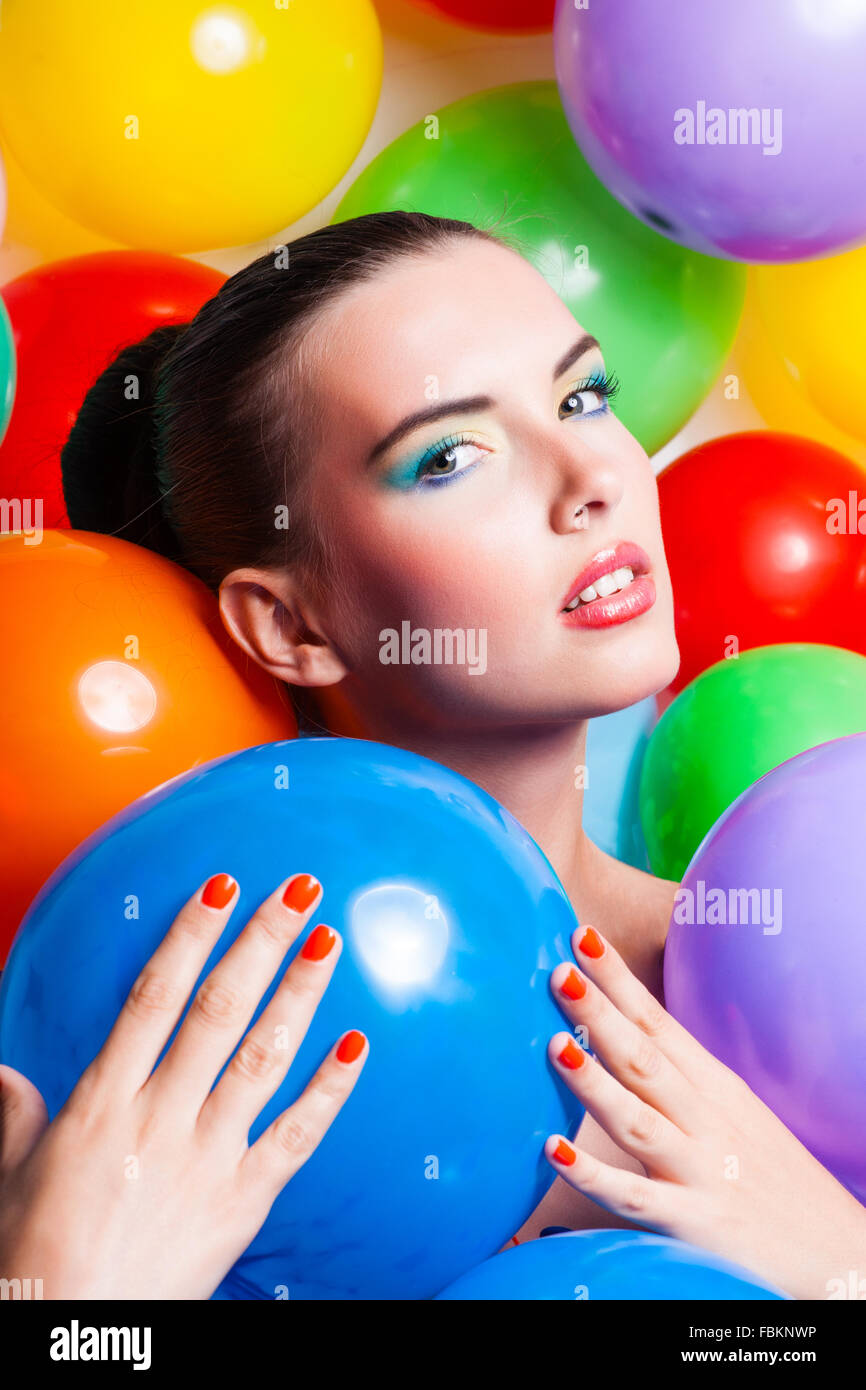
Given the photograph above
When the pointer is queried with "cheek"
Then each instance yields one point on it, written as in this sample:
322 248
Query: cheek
441 584
448 574
493 573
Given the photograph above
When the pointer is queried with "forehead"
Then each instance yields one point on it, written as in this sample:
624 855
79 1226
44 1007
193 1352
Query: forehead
458 318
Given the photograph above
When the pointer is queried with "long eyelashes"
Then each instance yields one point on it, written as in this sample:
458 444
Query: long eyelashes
445 447
427 472
605 384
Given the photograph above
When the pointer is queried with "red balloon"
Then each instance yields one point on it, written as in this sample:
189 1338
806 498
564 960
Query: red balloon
765 544
496 16
70 318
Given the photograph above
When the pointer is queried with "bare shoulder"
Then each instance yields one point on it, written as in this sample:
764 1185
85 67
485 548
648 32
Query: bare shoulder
658 895
636 901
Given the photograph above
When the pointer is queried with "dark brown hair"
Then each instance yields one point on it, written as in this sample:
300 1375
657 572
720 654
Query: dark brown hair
193 438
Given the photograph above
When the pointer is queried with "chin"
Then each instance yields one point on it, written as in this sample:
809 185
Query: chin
648 669
660 666
660 670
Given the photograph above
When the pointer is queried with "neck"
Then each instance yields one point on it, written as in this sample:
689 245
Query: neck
537 772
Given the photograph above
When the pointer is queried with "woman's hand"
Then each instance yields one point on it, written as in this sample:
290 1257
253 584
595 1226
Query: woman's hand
144 1185
722 1172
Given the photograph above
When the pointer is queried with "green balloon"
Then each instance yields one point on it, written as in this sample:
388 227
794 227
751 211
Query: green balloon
664 315
7 369
731 724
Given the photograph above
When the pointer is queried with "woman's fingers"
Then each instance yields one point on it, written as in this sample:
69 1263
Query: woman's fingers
228 997
159 995
271 1045
607 969
627 1051
636 1198
635 1125
23 1117
287 1143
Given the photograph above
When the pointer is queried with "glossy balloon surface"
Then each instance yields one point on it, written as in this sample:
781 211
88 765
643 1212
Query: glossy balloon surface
452 921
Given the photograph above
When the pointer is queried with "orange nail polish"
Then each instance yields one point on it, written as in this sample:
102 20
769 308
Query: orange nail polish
219 891
318 943
572 1056
351 1047
573 987
300 892
564 1153
591 944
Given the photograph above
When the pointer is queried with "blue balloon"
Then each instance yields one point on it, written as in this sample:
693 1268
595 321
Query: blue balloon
452 920
615 746
609 1264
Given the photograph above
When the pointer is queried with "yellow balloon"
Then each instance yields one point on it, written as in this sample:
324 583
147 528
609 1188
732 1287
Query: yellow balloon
801 346
177 125
35 230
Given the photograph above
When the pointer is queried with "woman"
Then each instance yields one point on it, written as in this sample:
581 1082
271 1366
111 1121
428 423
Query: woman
396 419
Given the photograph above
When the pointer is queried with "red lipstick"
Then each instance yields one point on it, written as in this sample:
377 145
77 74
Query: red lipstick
638 595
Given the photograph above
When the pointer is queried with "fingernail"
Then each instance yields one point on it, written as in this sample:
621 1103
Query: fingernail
300 892
219 891
572 1056
351 1047
573 986
318 943
564 1153
591 944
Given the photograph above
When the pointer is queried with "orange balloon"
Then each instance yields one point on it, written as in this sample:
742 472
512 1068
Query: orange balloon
119 676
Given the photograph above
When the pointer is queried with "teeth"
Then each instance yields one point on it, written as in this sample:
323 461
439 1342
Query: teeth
603 587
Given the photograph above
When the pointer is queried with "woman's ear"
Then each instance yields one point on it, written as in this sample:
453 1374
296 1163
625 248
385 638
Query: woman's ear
263 613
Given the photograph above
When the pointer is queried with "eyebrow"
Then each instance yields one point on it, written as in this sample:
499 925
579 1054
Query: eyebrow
470 403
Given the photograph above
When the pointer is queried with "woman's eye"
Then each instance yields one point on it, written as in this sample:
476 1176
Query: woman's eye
586 402
448 461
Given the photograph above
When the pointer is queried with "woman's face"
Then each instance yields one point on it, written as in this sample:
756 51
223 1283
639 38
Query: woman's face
468 468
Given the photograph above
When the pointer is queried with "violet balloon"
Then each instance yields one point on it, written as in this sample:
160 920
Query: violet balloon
765 961
735 129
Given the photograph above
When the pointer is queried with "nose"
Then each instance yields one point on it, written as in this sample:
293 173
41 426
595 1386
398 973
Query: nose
587 484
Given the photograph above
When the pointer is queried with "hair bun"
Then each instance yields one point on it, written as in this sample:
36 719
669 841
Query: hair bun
111 464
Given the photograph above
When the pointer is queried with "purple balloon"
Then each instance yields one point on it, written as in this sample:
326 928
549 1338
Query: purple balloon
737 129
774 983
